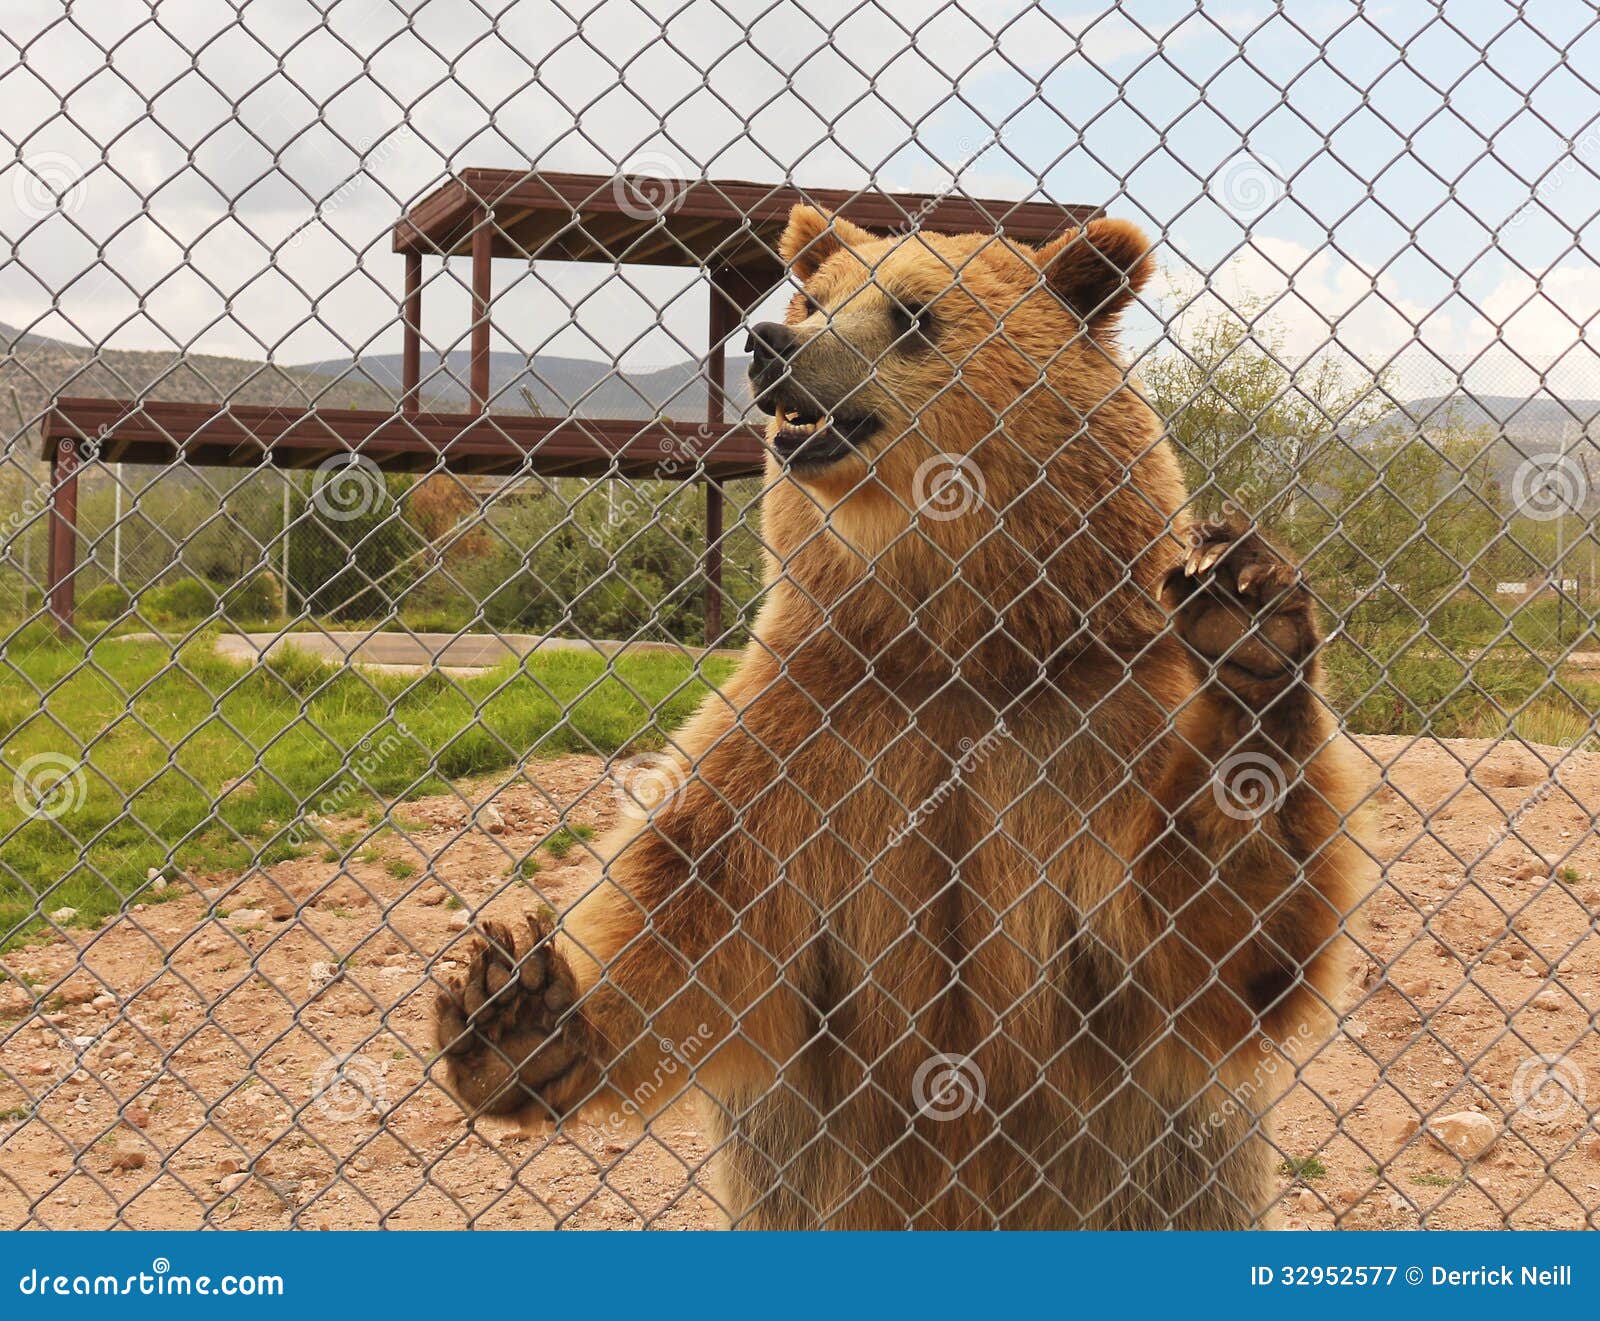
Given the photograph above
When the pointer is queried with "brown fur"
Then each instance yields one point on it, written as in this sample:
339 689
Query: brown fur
1077 920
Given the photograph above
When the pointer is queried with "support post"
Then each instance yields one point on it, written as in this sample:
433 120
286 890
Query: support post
61 586
482 236
726 313
411 360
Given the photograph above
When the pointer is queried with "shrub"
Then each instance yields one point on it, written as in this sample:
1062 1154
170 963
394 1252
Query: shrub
260 597
107 601
182 600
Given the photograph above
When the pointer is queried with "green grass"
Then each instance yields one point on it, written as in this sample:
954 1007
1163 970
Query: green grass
564 838
158 741
1430 1180
1304 1168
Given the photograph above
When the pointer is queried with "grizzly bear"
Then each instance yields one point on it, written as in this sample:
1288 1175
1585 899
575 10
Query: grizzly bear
1021 830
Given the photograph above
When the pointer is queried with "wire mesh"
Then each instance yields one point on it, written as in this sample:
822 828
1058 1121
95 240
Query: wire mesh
1081 719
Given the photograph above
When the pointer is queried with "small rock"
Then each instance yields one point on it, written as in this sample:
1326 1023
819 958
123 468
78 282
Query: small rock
1550 1000
1356 1030
229 1165
1397 1130
233 1182
128 1160
159 885
82 1042
62 915
104 1001
1464 1134
458 920
283 911
1415 990
39 1068
245 917
493 822
321 975
1592 1151
1308 1200
431 896
137 1115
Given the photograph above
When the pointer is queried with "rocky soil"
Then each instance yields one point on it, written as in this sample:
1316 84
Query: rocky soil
253 1052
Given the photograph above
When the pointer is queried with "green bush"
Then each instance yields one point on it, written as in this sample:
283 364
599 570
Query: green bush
260 597
107 601
184 600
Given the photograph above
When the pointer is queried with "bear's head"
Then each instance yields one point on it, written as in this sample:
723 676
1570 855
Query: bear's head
954 445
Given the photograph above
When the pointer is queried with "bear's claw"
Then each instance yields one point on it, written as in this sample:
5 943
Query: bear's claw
507 1032
1241 607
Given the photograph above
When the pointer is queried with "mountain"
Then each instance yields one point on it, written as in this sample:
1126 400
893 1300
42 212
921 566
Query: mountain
1512 431
1540 419
580 387
34 368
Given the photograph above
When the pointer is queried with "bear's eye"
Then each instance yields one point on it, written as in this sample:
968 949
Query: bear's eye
811 305
912 319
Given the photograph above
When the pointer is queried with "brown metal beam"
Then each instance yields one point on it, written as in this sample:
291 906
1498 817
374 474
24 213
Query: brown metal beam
731 300
411 363
163 432
61 579
748 215
482 252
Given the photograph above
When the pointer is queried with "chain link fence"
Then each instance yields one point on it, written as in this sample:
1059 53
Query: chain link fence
1073 710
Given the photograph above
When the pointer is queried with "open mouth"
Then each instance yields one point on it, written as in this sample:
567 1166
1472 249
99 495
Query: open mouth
804 440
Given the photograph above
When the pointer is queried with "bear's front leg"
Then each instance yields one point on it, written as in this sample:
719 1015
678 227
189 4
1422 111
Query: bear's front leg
510 1036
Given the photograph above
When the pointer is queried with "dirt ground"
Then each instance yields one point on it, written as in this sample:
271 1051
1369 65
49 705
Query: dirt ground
177 1068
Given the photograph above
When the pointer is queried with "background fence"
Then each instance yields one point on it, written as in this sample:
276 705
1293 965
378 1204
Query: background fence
307 726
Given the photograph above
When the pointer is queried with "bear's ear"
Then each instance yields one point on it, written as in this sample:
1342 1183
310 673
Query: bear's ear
1097 270
812 237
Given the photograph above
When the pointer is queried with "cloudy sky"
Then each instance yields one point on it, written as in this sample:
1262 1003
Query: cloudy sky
1415 184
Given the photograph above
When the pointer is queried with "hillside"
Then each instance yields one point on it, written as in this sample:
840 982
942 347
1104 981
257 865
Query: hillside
35 368
579 387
